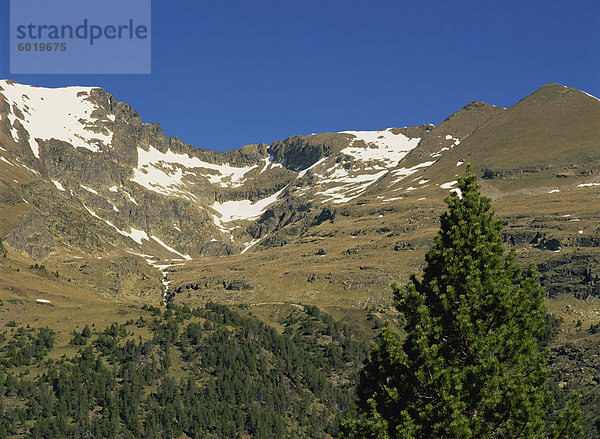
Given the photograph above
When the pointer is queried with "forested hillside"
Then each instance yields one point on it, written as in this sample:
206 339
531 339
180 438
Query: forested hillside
210 372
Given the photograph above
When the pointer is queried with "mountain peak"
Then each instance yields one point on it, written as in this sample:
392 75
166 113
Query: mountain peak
552 85
69 114
555 92
475 109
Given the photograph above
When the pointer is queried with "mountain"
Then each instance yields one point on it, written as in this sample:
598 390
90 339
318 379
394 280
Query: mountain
101 213
90 190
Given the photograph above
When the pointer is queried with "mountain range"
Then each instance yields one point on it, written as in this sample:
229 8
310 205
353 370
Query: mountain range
103 218
117 208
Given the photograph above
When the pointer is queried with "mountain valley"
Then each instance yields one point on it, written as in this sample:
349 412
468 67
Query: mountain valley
101 214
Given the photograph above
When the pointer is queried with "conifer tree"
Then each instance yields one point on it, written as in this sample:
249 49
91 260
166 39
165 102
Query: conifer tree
471 365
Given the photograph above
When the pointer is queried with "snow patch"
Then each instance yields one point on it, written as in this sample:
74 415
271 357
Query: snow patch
314 165
163 172
6 161
243 209
457 191
58 185
130 198
446 148
588 184
171 249
249 245
347 187
270 161
219 224
405 172
89 189
29 169
93 213
448 185
135 234
383 146
61 113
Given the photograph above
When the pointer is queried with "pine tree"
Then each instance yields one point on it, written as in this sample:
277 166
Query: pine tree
86 332
470 365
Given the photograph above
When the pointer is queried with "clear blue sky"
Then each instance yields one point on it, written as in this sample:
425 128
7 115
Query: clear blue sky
229 73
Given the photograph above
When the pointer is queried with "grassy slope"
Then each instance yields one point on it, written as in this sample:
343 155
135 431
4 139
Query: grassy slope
556 129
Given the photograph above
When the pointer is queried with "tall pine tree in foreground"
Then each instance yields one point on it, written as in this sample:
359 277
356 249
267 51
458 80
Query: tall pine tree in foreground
470 365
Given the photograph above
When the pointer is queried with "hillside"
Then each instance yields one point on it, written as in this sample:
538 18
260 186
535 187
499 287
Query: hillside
204 372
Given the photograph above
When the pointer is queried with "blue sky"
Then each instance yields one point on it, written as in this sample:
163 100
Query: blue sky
229 73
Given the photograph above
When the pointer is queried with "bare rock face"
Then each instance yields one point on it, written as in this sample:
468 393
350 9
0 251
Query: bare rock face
31 236
300 152
238 285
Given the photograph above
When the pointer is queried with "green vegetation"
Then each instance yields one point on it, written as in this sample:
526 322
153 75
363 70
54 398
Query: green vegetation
37 266
204 372
472 364
81 338
27 346
551 329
